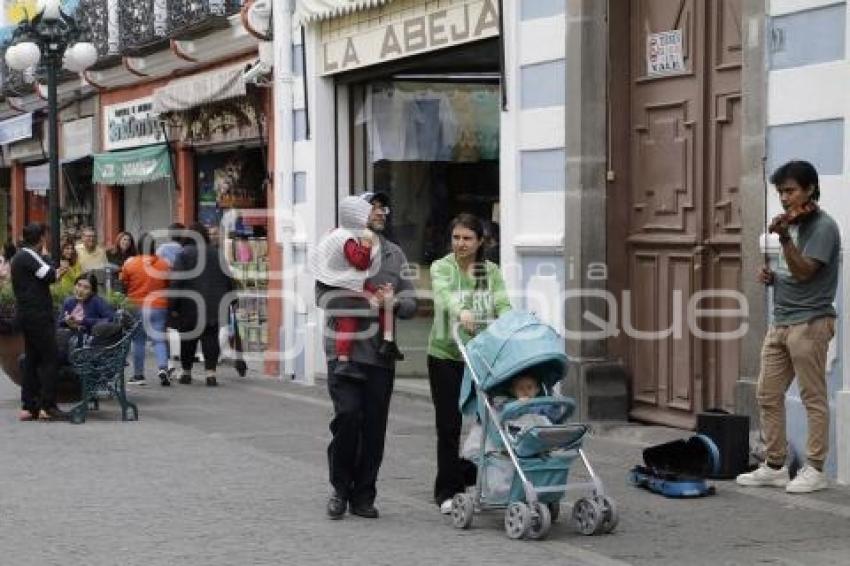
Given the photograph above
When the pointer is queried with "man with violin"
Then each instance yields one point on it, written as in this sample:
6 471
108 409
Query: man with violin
796 343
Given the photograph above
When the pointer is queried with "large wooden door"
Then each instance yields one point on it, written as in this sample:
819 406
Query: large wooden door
683 232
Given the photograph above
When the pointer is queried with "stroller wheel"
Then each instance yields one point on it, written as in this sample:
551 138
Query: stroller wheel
462 511
517 520
587 516
554 511
609 512
541 521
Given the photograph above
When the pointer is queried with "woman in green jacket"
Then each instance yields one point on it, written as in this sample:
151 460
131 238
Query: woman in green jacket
470 290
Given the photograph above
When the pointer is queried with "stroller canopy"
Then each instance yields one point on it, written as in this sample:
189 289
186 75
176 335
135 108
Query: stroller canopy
516 342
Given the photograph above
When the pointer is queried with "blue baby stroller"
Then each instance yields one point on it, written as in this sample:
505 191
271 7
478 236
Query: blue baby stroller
524 469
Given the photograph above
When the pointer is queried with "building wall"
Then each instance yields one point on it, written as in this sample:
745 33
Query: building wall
808 110
534 154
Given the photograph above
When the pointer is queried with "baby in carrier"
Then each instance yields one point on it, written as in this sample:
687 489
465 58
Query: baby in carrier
523 387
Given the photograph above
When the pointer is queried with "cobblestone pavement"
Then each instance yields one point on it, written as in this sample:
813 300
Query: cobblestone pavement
236 476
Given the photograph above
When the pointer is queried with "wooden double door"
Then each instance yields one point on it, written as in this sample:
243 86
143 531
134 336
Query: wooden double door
675 201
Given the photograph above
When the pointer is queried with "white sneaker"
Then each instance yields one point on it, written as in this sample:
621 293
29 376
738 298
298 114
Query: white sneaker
446 507
807 480
764 476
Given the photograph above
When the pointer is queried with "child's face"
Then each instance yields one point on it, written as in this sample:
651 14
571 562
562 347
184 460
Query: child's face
525 387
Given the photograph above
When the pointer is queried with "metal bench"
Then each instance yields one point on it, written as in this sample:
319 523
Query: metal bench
101 371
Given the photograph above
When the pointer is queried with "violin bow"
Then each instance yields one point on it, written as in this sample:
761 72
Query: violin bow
765 254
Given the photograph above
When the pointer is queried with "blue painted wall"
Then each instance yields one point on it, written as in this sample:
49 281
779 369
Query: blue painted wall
544 84
808 37
543 170
821 142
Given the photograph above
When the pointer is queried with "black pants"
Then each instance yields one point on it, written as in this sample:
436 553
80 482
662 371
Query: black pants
453 472
359 427
209 346
38 389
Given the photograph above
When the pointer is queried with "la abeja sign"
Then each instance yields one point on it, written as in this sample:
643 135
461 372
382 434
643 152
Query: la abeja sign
428 31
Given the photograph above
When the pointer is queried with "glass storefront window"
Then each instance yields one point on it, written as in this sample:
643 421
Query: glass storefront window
433 148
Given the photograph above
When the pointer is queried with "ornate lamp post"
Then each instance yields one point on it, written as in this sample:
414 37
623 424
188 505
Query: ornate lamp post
50 39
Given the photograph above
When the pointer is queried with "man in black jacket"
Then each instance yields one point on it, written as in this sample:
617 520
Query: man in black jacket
361 407
31 279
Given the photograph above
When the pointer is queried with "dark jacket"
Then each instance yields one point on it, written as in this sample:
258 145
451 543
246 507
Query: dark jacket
95 310
213 282
31 280
392 270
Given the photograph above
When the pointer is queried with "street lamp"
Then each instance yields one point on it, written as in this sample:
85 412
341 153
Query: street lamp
51 38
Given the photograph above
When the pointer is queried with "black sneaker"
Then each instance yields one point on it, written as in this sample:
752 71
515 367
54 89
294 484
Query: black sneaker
349 370
336 507
211 381
389 350
137 380
163 378
185 379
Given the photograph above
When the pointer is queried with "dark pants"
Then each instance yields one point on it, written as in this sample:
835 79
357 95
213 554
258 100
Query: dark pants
359 427
209 346
453 472
38 389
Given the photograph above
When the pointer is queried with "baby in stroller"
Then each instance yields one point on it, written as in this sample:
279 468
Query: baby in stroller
524 448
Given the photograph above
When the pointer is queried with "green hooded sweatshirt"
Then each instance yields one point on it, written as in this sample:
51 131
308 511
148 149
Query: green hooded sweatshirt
454 292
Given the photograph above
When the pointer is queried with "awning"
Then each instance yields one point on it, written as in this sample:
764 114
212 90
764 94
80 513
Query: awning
132 167
16 129
316 10
212 86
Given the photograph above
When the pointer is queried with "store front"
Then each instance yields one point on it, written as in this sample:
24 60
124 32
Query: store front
78 195
221 129
415 101
136 166
18 147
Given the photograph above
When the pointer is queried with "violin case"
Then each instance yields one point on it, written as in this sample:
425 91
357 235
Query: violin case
679 468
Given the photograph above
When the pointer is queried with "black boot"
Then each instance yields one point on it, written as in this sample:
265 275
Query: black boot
389 350
366 510
349 370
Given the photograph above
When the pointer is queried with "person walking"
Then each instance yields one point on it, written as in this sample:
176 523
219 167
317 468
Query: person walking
199 321
804 285
31 279
361 406
468 290
145 278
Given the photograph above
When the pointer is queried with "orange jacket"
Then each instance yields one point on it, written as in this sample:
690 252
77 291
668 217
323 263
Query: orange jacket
144 274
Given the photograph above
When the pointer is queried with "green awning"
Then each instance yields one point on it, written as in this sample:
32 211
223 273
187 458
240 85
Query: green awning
132 167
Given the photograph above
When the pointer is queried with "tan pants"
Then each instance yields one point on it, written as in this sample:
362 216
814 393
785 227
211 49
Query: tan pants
798 349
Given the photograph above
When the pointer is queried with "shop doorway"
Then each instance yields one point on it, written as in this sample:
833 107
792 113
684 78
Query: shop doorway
675 202
430 142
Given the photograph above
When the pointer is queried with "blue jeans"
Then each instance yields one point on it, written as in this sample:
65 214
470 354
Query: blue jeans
155 320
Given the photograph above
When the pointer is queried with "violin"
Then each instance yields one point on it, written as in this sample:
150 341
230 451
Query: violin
794 215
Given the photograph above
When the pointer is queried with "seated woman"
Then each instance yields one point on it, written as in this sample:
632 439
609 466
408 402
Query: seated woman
81 312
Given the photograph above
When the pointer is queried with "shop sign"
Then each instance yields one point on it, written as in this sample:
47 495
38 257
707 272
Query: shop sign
664 54
131 124
30 149
374 41
77 138
133 167
16 129
37 178
221 122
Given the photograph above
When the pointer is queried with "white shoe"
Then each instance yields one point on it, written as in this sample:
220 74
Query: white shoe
764 476
807 480
446 507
